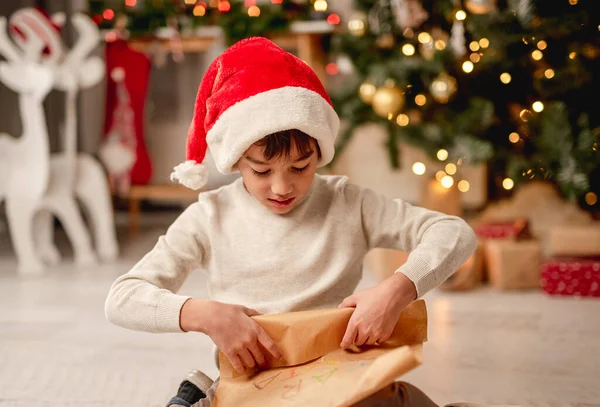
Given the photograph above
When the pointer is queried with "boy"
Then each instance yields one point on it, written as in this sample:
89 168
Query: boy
280 238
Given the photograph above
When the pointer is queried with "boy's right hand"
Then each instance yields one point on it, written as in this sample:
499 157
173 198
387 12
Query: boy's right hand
230 327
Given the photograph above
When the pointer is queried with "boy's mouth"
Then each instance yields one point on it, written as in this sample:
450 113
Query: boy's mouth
281 204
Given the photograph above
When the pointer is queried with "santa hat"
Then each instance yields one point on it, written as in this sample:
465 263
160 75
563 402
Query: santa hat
254 89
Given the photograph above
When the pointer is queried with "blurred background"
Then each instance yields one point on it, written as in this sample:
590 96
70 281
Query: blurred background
484 109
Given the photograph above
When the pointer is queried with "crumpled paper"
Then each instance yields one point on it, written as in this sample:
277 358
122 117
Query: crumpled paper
314 371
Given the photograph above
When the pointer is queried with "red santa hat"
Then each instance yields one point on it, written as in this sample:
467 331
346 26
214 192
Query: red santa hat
253 89
29 22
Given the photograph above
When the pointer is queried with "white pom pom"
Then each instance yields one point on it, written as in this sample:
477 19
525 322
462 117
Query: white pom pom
190 174
117 158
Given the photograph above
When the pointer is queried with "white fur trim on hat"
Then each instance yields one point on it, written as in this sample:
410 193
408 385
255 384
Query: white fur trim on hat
256 117
190 174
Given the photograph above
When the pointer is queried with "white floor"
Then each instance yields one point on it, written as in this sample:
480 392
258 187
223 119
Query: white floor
56 348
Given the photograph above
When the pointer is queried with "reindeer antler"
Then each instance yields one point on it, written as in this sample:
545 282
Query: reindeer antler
7 48
89 36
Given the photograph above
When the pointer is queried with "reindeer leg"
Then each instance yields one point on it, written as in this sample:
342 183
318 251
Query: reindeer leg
20 215
44 238
68 213
92 190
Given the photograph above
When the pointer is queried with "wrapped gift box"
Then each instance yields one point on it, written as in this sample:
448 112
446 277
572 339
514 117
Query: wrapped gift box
514 229
469 275
513 264
574 241
571 276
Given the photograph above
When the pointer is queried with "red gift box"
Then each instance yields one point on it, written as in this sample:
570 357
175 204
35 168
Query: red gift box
571 276
515 229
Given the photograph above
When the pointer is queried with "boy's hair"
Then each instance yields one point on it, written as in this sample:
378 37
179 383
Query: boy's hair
280 144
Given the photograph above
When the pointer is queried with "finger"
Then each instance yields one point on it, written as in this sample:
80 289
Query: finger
251 312
361 337
265 340
348 302
247 359
349 336
373 340
236 362
257 354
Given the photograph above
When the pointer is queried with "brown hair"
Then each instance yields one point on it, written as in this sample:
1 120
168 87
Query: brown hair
280 144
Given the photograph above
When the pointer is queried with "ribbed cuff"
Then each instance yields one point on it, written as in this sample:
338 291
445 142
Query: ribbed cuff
420 274
168 311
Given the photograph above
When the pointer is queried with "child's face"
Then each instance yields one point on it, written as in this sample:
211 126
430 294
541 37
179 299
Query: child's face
279 184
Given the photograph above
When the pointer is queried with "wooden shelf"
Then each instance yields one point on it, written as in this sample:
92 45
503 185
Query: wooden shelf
304 38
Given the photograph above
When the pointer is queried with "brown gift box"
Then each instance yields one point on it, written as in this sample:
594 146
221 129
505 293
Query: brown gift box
469 275
314 370
513 264
574 241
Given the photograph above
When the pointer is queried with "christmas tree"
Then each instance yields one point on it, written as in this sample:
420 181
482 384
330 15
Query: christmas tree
511 83
238 19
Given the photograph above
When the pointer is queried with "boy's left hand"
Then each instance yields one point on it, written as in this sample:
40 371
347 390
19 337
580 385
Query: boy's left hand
377 310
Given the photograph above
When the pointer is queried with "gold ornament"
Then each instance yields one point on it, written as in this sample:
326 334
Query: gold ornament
366 92
388 99
480 6
443 88
358 24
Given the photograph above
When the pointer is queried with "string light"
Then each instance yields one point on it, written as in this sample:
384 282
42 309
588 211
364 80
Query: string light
505 78
450 169
402 120
538 106
224 6
474 46
320 5
254 11
419 168
276 1
440 45
514 137
484 43
549 73
108 14
199 10
420 100
463 185
424 38
573 55
249 3
333 19
460 15
186 1
408 49
573 2
537 55
542 45
508 184
591 198
447 181
132 3
468 66
439 175
475 57
442 154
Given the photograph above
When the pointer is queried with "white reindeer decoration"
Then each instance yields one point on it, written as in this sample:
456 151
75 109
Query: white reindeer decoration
40 185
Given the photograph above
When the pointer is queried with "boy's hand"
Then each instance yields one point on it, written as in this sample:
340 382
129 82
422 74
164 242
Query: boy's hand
377 310
239 337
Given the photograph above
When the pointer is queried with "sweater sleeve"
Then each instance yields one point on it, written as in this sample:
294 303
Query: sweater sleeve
144 298
437 244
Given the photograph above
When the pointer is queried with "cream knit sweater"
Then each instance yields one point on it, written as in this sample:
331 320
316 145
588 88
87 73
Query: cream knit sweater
307 259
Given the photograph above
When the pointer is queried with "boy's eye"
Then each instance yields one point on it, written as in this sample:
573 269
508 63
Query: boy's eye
260 173
300 169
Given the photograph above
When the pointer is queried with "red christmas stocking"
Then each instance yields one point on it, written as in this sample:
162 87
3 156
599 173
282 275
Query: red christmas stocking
124 150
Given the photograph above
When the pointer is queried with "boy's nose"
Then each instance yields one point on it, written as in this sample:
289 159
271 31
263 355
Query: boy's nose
281 187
